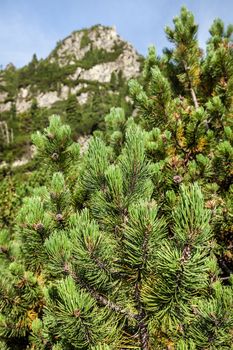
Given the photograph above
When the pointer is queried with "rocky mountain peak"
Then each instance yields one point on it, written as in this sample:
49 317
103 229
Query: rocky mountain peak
84 57
75 46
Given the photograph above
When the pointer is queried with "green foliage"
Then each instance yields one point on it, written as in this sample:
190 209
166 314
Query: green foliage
85 40
129 245
187 257
190 124
44 76
16 184
96 56
20 296
8 201
56 145
76 314
155 110
186 54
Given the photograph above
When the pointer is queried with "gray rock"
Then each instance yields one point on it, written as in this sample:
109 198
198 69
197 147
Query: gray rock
68 52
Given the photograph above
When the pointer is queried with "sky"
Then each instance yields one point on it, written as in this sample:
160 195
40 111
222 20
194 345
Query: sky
35 26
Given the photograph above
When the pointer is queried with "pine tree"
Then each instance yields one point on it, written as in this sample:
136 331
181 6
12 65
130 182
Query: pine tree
129 246
190 122
125 275
22 278
73 113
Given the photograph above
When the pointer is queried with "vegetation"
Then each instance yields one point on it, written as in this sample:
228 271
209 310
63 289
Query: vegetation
129 245
85 40
41 76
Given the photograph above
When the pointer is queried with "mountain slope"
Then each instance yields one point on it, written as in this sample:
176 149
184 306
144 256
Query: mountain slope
83 76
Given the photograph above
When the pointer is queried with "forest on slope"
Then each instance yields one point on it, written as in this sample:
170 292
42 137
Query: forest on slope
81 79
128 244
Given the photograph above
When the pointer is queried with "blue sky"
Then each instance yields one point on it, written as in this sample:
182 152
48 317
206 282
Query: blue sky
34 26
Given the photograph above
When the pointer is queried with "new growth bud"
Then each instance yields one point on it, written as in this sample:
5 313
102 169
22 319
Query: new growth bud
177 179
55 156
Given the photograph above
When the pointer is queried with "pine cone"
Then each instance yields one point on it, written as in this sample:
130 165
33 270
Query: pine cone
59 217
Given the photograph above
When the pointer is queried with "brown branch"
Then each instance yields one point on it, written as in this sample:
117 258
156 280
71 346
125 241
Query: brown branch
143 332
102 300
193 94
194 97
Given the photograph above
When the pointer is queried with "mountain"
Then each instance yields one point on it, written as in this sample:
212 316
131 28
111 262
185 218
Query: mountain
81 79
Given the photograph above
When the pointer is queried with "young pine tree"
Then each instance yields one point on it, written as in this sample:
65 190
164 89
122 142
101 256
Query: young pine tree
124 275
184 101
22 278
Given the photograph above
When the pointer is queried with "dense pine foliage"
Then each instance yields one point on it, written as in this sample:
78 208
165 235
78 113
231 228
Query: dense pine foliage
129 244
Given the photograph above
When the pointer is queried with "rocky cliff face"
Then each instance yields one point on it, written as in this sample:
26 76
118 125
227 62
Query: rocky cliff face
85 57
75 46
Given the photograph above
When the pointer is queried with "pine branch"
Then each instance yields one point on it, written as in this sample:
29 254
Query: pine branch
102 300
194 97
99 263
193 94
134 177
185 254
87 332
143 332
